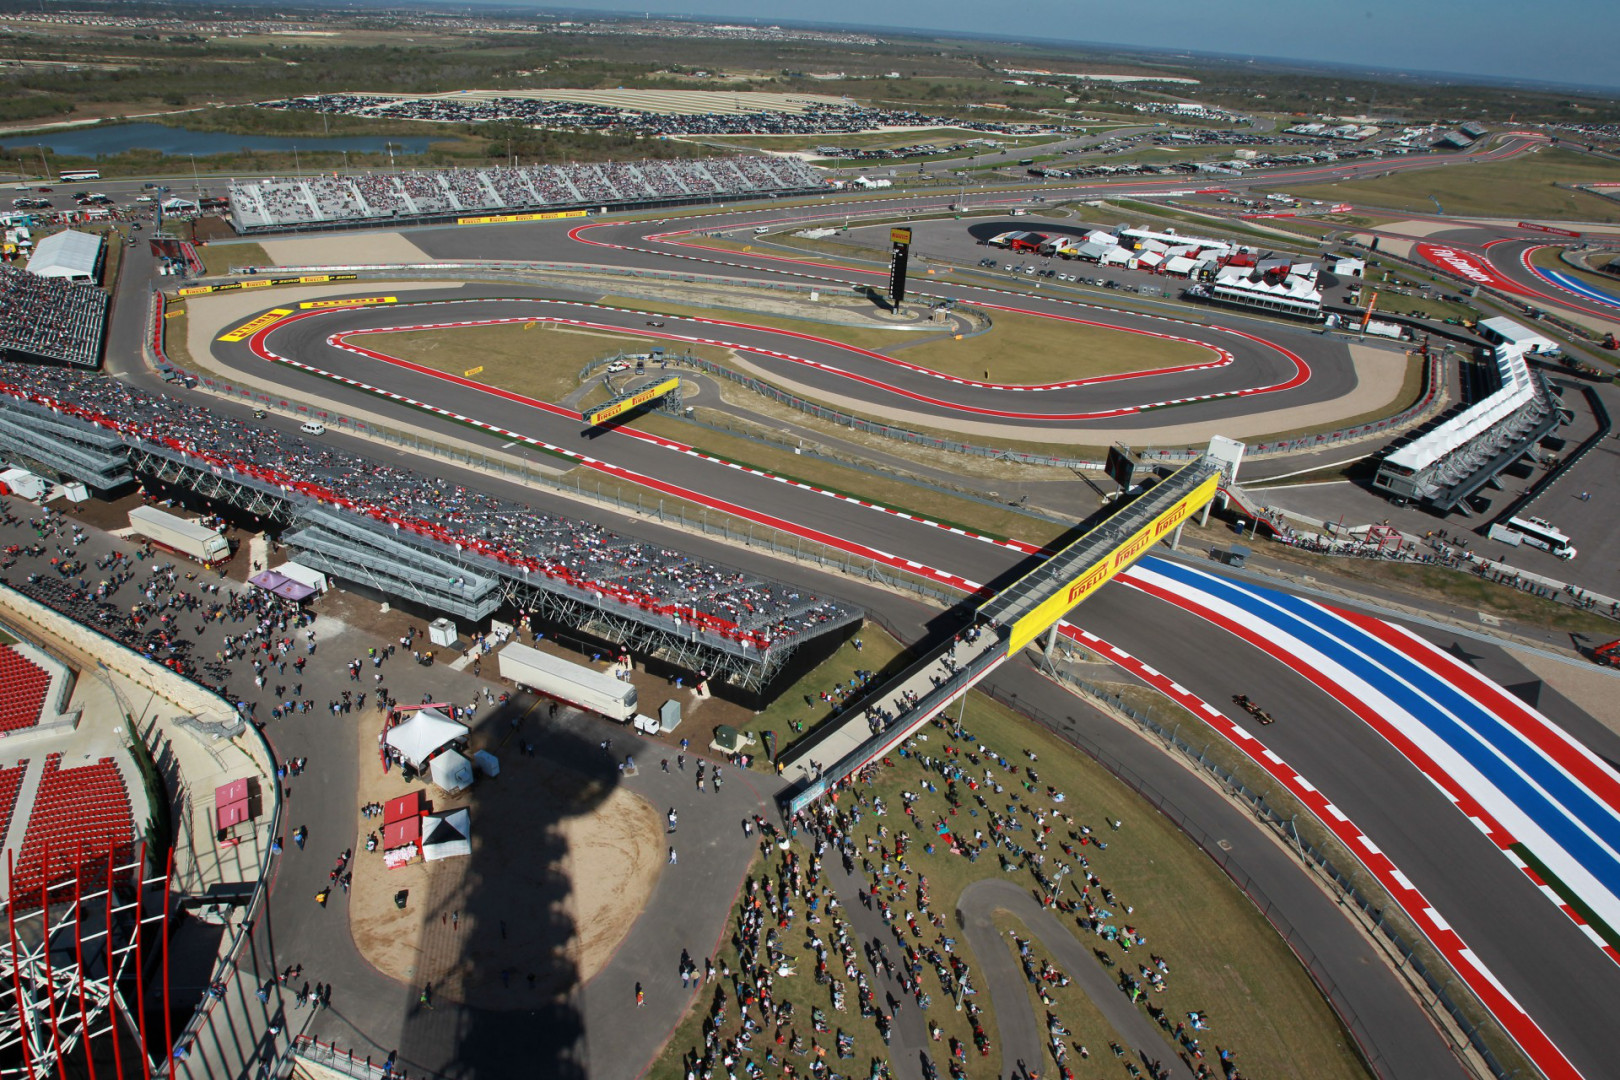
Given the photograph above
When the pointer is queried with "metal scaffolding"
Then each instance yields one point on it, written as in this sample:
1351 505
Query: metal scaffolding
72 972
62 446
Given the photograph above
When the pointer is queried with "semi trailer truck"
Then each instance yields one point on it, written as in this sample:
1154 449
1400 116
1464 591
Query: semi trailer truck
182 536
574 683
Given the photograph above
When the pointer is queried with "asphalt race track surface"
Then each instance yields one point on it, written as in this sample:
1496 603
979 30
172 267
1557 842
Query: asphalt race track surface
1541 957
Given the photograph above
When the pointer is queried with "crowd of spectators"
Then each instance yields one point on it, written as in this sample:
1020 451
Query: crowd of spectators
838 935
738 606
282 202
154 607
50 319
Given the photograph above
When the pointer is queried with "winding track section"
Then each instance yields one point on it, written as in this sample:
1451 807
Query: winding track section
1433 846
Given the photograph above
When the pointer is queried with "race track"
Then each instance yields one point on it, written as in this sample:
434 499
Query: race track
1351 744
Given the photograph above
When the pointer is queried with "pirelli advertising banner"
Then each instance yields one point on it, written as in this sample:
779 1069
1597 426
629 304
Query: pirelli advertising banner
357 301
265 283
607 412
1059 604
248 329
496 219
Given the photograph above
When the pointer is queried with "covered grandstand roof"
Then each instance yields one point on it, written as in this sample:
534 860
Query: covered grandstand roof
1515 391
67 254
1514 335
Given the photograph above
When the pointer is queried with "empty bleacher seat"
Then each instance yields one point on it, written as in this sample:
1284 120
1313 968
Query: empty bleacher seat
81 824
23 685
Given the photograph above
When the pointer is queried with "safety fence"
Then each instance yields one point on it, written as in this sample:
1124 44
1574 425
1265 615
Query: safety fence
343 1062
1418 962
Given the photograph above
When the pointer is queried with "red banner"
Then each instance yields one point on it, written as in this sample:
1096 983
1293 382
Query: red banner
1547 229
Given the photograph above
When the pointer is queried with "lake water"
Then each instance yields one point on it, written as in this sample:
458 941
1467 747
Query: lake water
116 138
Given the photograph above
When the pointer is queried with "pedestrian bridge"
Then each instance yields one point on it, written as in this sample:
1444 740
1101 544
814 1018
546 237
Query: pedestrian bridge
1002 626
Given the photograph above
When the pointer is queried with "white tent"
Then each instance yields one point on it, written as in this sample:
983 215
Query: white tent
426 731
1179 265
447 835
451 771
67 254
487 763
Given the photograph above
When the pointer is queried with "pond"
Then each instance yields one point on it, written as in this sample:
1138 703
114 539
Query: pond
97 140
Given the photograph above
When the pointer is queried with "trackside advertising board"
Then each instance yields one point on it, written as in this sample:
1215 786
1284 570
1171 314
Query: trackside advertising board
358 301
618 408
1060 603
265 283
496 219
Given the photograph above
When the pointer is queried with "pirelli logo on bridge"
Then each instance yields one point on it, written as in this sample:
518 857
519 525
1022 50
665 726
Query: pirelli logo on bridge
619 406
496 219
248 329
1043 616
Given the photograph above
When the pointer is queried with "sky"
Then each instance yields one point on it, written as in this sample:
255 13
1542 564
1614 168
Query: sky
1562 41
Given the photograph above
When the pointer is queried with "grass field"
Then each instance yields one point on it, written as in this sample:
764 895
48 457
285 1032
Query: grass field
1017 348
1028 349
536 359
175 345
1524 186
545 365
1224 957
874 338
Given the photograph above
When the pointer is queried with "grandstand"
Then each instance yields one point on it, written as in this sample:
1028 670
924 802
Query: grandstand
81 820
421 196
34 688
423 539
50 320
72 893
1442 466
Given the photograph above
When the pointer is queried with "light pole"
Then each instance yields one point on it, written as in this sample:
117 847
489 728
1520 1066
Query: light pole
297 168
196 181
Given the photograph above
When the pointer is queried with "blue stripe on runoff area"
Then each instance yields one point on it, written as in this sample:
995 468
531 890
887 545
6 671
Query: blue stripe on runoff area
1538 787
1576 285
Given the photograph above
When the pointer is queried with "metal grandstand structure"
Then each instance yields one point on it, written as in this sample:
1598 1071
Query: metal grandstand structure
366 200
404 564
74 963
1443 466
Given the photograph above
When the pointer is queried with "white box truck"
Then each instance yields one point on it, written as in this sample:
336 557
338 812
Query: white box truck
583 686
180 535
